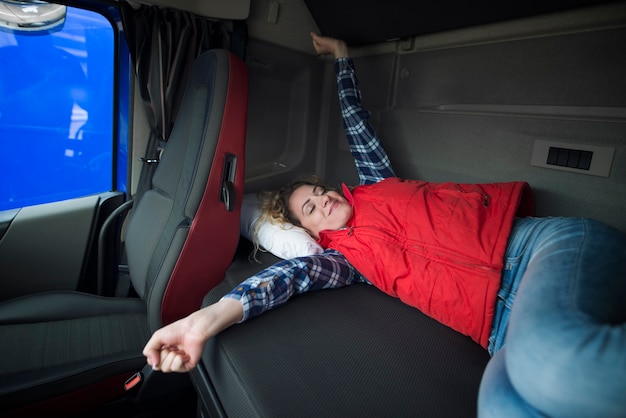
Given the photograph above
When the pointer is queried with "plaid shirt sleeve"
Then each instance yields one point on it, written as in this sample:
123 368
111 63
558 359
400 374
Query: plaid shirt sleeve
273 286
369 155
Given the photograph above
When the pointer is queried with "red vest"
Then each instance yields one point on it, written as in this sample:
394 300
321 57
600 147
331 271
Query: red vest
437 246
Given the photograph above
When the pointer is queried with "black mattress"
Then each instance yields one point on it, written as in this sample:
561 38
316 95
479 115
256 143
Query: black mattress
345 352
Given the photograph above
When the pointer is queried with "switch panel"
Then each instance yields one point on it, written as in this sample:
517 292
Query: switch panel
572 158
576 158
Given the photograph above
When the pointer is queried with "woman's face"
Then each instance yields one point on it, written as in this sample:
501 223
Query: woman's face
319 209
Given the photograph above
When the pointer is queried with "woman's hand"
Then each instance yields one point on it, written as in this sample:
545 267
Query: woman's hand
326 45
178 346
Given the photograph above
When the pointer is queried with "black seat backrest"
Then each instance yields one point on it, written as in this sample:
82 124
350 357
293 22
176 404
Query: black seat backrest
183 233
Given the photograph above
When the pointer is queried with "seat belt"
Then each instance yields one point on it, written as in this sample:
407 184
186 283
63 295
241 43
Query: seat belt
239 39
152 156
150 161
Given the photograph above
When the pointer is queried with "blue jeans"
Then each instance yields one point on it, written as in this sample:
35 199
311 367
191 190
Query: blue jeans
562 351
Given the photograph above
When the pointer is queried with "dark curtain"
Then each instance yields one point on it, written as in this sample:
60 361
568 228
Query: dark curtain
163 44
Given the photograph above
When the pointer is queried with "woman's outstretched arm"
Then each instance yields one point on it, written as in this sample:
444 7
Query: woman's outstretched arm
370 158
178 346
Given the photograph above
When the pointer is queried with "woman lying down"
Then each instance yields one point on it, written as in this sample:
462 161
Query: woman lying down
545 296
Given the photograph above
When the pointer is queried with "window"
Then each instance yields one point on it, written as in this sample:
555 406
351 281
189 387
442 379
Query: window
56 111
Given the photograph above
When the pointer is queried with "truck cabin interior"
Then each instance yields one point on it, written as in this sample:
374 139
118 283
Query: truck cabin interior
136 135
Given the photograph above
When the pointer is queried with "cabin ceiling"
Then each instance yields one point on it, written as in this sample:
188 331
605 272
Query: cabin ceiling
363 22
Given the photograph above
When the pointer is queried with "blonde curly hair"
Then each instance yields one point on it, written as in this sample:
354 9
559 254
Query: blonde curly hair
275 205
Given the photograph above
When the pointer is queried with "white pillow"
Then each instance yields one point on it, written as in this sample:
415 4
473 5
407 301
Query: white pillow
285 242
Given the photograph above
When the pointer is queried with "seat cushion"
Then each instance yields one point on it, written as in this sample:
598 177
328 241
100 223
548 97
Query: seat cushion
54 341
353 351
59 305
92 338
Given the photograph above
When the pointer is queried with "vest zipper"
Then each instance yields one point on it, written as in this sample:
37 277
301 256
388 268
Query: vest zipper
453 258
448 256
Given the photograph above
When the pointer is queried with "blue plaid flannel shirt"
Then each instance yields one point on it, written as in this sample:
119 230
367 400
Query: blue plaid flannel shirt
276 284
